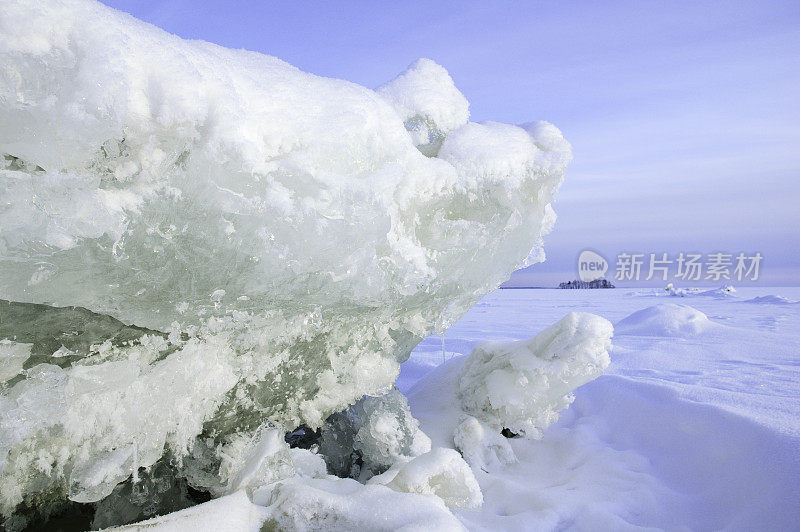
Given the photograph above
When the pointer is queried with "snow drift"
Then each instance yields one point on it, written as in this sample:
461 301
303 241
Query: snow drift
519 386
666 320
272 242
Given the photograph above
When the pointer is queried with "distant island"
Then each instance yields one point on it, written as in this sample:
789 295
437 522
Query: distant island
597 283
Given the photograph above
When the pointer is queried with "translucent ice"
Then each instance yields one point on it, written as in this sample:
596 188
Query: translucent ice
371 436
12 357
263 459
268 244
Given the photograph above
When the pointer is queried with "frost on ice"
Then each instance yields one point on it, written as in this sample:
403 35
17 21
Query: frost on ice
216 239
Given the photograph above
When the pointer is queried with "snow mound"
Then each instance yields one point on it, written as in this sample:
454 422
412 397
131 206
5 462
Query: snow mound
701 454
722 292
128 154
441 472
665 320
523 385
771 299
345 504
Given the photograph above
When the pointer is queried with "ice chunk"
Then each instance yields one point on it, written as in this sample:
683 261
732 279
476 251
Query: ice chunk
441 472
262 460
429 103
308 464
241 460
522 386
232 513
665 320
481 446
372 435
339 246
12 357
388 432
129 154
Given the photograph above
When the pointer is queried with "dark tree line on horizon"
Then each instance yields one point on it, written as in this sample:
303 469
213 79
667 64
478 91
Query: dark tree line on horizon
597 283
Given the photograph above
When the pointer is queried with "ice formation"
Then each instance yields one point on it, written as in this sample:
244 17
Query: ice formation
441 472
522 386
371 436
482 446
477 403
220 239
12 358
429 103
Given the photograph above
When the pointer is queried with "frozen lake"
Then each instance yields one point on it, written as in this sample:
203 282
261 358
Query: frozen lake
695 424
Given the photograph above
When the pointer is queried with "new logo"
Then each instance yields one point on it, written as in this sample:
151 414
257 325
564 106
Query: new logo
591 266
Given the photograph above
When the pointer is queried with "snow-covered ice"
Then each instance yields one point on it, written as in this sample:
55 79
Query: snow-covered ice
371 436
441 472
698 431
271 243
522 386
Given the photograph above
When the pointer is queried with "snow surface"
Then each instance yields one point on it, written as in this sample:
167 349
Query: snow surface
697 431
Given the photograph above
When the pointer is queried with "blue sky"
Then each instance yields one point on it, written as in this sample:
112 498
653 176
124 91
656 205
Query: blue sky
684 116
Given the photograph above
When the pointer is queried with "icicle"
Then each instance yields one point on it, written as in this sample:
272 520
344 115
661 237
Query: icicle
135 463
